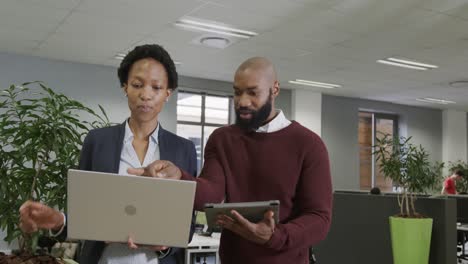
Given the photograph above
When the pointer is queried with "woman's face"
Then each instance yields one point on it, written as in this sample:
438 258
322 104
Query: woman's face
146 89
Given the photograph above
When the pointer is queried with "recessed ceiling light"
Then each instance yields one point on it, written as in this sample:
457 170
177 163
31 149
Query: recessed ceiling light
315 84
405 63
435 100
319 83
402 65
459 84
415 63
121 56
213 27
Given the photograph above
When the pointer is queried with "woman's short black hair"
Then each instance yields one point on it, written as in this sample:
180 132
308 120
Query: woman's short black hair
152 51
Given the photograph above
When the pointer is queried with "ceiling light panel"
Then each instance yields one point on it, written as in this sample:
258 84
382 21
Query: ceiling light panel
402 65
435 101
414 63
213 27
315 84
406 63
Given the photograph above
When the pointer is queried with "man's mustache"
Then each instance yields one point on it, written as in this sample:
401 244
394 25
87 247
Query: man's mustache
245 110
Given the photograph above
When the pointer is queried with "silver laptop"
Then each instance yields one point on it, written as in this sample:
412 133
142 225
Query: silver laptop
109 207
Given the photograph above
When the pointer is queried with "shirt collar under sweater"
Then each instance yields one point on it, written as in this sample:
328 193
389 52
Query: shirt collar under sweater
277 123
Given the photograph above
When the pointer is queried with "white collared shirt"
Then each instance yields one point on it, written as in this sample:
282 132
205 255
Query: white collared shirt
279 122
129 158
119 253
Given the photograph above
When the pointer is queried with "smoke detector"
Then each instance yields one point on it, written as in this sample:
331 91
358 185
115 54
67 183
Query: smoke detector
215 42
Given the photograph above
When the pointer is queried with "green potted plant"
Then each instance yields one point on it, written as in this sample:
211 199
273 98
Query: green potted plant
41 134
462 185
409 167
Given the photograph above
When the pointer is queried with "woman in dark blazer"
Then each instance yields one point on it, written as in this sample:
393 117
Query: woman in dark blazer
148 77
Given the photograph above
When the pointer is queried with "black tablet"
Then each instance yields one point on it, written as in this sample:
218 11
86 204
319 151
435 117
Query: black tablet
252 211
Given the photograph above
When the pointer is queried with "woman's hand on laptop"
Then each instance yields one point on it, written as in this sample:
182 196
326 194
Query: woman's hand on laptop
158 169
35 216
132 245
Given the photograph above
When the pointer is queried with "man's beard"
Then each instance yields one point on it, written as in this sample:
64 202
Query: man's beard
258 118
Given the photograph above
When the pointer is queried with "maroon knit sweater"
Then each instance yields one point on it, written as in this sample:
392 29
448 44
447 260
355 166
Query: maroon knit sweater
290 165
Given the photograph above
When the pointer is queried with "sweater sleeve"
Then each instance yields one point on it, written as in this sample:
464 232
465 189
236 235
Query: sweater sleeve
312 205
211 182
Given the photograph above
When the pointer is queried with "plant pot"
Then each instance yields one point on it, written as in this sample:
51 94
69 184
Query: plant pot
411 239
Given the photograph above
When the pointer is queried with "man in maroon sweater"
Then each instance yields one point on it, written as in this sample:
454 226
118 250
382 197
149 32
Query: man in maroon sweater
262 157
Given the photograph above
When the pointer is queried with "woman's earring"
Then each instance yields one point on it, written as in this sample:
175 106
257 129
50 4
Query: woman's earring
126 95
167 99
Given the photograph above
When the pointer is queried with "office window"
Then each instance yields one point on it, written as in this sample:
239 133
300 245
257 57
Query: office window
372 126
198 115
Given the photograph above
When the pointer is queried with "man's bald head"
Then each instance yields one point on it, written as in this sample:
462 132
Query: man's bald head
259 66
255 89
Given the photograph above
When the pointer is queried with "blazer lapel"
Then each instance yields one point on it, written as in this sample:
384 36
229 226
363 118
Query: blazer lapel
165 150
119 143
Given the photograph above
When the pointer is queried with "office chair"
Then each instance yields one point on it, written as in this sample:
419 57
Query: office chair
461 241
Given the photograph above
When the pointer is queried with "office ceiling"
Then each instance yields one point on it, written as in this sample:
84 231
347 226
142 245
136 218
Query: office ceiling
335 41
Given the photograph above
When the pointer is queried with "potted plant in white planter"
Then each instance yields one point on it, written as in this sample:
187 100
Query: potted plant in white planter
41 134
409 167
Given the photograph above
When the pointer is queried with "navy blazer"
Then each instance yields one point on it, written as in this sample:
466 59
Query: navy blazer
101 152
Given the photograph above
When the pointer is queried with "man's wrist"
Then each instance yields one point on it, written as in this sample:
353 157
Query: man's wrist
60 220
163 253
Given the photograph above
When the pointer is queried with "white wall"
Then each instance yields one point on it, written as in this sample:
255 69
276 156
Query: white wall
4 247
454 139
306 108
340 119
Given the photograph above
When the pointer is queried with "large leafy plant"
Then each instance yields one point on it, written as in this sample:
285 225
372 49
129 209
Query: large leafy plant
41 134
409 167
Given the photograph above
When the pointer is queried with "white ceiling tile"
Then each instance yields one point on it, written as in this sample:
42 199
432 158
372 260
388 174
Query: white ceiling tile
370 17
336 41
444 5
58 4
81 46
300 37
270 51
7 33
20 15
101 31
142 15
227 15
170 35
14 46
280 8
180 49
460 12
